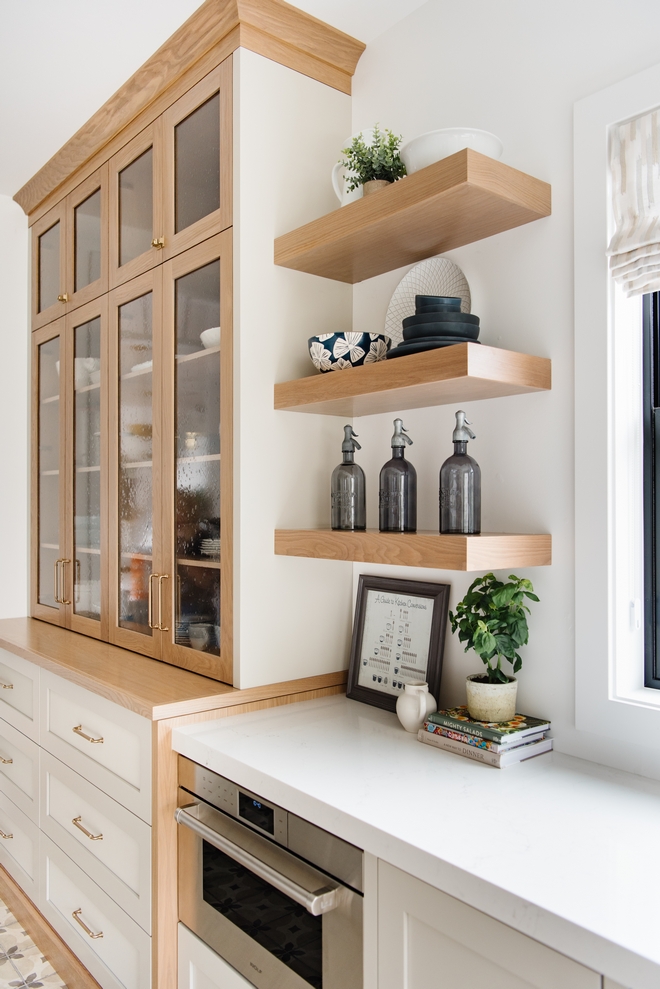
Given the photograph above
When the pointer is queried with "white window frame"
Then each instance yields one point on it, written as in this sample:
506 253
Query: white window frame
610 696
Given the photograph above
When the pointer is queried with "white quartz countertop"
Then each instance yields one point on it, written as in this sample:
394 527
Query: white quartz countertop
561 849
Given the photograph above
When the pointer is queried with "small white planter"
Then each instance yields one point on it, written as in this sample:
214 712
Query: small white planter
491 701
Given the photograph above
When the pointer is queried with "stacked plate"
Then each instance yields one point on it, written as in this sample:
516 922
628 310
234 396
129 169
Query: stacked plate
438 322
210 547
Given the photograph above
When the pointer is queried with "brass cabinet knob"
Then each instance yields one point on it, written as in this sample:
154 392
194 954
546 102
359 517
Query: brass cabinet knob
63 297
158 243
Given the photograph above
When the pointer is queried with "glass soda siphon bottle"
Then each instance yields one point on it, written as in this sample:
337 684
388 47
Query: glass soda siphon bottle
348 503
398 487
460 485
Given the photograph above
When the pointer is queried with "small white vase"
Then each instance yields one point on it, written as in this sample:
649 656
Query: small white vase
491 701
414 705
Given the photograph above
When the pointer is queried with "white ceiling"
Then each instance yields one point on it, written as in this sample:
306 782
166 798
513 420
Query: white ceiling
61 59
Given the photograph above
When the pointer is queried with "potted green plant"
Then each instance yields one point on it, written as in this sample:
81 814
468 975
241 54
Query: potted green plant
492 620
375 165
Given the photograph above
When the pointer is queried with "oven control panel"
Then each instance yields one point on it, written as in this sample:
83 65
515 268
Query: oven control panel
268 819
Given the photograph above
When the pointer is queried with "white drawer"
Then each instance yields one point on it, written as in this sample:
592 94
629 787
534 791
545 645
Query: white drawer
19 693
19 854
201 968
105 743
19 770
116 850
119 957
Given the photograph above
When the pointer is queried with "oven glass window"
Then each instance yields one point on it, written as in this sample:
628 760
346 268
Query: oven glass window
273 920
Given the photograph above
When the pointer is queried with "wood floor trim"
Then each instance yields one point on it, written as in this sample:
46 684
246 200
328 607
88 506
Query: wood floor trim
68 967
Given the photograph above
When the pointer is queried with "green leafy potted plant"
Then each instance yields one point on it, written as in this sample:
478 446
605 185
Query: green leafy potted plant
375 165
492 620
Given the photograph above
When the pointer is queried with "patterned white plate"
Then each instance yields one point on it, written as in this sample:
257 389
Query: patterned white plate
436 276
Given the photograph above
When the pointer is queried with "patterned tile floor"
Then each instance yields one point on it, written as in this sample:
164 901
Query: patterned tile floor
22 966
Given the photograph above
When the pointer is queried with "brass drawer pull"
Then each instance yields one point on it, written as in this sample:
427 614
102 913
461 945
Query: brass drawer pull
3 835
150 612
6 762
7 686
78 919
88 738
92 837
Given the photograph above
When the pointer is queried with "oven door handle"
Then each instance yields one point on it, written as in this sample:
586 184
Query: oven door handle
318 902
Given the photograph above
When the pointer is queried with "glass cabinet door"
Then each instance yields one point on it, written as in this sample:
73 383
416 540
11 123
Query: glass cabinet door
50 566
136 226
89 468
134 477
195 307
87 239
197 159
49 277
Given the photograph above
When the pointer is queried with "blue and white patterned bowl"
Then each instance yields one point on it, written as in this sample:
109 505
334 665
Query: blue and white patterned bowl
336 351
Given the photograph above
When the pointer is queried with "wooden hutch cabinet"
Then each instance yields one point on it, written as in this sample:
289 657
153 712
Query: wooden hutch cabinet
133 361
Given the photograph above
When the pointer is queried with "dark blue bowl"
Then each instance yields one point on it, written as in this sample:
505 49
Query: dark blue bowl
336 351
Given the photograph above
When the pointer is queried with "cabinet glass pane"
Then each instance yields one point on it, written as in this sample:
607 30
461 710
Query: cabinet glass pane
88 241
49 267
197 164
135 467
49 474
87 470
136 207
197 429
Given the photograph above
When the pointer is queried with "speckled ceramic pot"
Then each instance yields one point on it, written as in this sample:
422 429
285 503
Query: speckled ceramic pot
491 701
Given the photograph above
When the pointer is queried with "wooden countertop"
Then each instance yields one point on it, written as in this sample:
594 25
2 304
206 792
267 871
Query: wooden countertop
152 689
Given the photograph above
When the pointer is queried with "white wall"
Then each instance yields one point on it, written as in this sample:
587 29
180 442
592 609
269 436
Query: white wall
515 69
292 616
14 430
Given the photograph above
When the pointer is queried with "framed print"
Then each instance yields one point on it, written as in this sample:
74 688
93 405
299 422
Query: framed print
398 637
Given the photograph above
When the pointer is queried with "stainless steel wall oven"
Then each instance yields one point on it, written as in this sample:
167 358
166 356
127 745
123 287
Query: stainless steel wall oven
275 896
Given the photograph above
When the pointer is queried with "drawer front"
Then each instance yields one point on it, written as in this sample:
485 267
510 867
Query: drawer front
119 956
19 770
19 693
104 742
108 842
19 846
201 968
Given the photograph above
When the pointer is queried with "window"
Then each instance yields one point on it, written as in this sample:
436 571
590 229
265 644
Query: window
651 414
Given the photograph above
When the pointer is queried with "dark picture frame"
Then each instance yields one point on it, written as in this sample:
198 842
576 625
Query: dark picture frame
401 593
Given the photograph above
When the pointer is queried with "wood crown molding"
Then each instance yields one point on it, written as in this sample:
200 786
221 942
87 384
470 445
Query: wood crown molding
270 27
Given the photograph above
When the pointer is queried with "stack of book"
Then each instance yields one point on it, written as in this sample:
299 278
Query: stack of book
498 745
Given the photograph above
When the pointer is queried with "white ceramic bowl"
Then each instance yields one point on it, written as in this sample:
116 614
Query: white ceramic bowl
210 337
438 144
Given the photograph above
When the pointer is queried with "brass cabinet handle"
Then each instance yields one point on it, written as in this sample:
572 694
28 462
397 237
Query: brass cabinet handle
6 762
64 563
3 835
78 919
7 686
161 578
158 243
63 297
150 615
92 837
88 738
56 581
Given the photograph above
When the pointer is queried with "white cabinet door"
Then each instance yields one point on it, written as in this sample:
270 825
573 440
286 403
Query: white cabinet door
427 938
19 769
107 744
19 693
201 968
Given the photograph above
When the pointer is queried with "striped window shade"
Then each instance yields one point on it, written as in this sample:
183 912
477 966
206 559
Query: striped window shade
634 250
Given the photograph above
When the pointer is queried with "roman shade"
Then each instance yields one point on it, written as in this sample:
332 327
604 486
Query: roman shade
634 249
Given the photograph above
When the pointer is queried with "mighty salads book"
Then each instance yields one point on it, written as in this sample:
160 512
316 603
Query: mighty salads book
503 732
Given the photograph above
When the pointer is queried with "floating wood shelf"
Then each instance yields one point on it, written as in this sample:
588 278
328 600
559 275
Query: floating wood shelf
465 372
489 551
453 202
